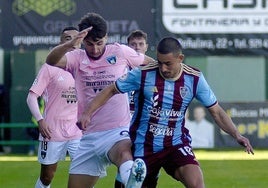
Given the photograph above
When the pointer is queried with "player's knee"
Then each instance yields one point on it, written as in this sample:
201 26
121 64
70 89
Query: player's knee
195 183
120 153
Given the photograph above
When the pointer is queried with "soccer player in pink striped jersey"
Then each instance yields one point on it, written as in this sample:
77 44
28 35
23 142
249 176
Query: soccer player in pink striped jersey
105 139
57 126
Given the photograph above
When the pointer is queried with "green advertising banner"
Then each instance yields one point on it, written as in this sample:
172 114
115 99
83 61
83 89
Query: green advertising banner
37 24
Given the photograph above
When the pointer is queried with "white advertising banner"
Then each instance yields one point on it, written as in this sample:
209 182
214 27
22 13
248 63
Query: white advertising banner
220 16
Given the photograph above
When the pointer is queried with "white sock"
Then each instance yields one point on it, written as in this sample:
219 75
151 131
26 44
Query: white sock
39 184
124 171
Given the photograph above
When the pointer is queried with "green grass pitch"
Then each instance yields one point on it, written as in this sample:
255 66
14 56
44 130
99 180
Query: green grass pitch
222 169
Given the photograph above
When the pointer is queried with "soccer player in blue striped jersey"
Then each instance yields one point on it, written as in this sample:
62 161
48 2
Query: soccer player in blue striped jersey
163 92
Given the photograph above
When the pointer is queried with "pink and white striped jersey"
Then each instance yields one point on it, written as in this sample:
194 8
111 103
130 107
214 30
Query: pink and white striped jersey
91 76
56 86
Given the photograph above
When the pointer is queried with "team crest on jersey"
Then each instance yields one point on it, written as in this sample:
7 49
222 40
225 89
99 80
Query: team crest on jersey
111 59
183 91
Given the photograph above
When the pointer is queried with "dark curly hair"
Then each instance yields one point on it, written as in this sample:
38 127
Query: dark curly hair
98 23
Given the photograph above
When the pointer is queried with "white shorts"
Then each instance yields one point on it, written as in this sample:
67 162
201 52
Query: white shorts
91 157
52 152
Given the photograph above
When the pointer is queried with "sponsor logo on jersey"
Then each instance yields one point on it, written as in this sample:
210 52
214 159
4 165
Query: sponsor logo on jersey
161 130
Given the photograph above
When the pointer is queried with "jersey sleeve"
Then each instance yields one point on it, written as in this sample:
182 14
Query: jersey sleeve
204 93
41 81
73 60
133 58
130 81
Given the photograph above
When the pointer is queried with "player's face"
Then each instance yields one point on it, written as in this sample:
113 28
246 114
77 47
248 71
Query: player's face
169 64
95 49
138 44
69 35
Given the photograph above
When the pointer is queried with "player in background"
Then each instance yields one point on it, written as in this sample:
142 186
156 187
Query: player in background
163 92
136 40
57 125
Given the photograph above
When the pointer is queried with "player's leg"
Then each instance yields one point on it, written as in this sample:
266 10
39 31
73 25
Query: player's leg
120 155
47 173
72 147
153 162
183 166
190 175
88 164
79 180
82 181
49 153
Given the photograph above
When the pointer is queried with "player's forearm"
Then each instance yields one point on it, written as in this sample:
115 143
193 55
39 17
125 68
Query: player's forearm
101 99
32 102
226 124
58 52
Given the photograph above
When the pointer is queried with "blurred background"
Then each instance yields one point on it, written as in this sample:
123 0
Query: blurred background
226 40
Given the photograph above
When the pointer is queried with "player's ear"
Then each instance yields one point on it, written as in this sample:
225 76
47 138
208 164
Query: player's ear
181 57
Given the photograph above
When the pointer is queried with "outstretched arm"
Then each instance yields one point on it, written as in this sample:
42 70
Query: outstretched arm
56 55
96 103
226 124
